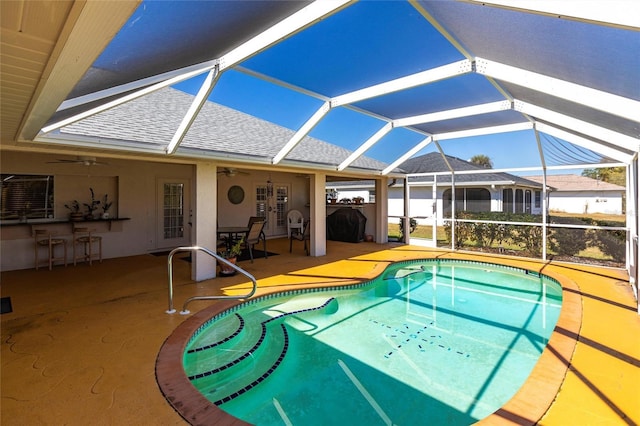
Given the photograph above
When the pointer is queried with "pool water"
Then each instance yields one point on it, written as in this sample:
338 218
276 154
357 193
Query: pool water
429 342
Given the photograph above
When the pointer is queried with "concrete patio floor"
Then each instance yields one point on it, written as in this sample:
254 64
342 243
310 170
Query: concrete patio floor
81 344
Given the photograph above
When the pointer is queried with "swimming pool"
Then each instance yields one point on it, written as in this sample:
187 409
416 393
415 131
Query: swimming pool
429 342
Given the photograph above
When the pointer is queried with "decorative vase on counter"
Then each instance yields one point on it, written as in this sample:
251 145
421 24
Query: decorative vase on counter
105 215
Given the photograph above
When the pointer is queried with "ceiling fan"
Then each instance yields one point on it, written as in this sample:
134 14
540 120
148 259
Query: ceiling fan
80 159
231 172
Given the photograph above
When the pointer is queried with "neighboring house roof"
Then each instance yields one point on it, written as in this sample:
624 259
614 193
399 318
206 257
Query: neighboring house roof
435 163
151 121
571 182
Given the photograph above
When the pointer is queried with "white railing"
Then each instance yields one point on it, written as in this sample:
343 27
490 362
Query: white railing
194 249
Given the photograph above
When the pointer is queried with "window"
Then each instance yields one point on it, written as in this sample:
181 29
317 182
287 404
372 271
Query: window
173 210
26 196
537 199
469 199
519 201
507 200
478 200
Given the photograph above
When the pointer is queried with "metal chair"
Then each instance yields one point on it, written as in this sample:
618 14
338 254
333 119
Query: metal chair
253 219
295 220
303 235
43 238
253 237
86 237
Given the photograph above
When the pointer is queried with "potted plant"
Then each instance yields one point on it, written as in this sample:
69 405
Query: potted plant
106 205
332 196
91 206
358 200
230 255
74 208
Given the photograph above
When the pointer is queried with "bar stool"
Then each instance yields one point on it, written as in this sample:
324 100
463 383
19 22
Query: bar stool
43 238
85 237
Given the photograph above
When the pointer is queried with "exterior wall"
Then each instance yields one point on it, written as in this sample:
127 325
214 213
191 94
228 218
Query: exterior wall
422 203
608 202
136 199
230 214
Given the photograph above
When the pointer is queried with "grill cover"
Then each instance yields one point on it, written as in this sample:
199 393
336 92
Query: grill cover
346 225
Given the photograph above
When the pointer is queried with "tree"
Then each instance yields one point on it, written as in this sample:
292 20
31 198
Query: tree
482 160
615 175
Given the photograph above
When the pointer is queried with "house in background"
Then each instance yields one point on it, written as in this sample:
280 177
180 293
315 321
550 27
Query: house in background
580 194
432 194
156 202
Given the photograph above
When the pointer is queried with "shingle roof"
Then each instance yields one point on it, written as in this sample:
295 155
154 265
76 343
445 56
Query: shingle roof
434 163
571 182
152 120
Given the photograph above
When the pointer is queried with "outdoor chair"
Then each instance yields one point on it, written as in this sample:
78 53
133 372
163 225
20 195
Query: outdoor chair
294 221
253 219
255 234
301 235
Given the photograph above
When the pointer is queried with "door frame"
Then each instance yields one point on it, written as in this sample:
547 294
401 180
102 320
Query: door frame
271 229
160 242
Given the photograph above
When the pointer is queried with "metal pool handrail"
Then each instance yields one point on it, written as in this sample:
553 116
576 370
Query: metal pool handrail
184 311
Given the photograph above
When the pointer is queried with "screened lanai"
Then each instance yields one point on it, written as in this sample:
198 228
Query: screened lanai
540 88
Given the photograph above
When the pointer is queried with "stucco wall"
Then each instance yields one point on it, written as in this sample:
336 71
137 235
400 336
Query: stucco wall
581 202
133 185
136 199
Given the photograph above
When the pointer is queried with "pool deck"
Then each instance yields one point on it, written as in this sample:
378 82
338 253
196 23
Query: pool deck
81 344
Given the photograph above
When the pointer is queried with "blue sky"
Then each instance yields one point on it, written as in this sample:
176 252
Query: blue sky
349 129
367 43
348 51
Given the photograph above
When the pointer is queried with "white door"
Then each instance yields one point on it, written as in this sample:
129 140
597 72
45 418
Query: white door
273 205
174 213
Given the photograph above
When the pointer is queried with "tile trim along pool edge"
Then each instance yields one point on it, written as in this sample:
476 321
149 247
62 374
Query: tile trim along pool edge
527 406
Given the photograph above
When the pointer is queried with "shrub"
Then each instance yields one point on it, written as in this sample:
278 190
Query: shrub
413 224
611 243
567 241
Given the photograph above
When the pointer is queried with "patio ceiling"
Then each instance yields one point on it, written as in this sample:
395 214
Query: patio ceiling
405 75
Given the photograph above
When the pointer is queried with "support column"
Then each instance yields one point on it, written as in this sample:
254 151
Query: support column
382 211
633 223
435 215
406 221
453 211
318 214
205 218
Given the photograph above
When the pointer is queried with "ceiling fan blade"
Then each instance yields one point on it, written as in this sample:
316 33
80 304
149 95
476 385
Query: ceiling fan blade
86 161
61 160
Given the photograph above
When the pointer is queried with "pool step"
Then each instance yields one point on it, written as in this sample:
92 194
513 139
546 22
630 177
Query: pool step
222 365
234 378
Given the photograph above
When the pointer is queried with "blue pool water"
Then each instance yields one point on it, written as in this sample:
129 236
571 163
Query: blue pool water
429 342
